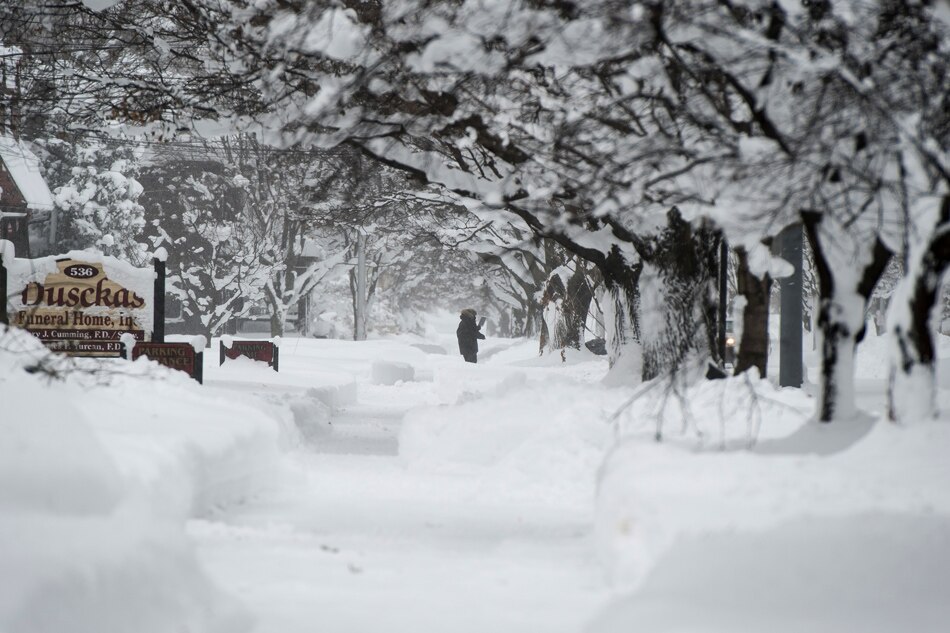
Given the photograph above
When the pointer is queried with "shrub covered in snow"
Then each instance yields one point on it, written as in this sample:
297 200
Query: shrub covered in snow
97 194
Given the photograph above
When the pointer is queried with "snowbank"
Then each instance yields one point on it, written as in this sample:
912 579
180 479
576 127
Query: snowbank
462 382
816 522
730 413
98 472
527 427
389 373
873 573
535 440
333 388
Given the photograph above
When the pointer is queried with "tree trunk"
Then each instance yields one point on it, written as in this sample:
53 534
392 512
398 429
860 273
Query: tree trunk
552 305
838 345
579 297
600 331
276 323
912 387
841 310
621 305
879 315
565 309
531 320
754 346
504 324
679 298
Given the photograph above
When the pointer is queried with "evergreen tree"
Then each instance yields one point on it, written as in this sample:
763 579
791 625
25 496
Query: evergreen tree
96 192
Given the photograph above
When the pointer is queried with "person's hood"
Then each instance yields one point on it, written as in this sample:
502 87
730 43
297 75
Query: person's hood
468 313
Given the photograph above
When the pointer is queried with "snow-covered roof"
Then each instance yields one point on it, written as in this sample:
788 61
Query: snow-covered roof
24 166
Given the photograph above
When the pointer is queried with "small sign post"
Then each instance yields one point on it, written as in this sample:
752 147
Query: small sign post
3 293
180 356
158 322
263 351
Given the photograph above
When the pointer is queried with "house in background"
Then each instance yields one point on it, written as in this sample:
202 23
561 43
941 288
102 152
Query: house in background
27 213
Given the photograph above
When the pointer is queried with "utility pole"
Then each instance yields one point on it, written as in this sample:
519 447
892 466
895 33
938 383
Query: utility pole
359 326
791 373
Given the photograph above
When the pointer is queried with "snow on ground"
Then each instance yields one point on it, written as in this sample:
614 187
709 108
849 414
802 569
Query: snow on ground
403 519
875 572
840 527
100 465
521 433
387 485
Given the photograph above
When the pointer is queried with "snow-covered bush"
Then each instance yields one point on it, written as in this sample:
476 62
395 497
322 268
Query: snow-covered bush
196 212
97 194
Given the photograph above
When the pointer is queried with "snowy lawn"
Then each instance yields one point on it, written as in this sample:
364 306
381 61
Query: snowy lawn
750 516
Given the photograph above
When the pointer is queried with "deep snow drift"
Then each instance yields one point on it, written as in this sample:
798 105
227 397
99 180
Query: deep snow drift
100 465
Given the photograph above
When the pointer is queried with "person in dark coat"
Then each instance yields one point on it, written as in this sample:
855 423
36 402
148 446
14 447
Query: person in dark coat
468 334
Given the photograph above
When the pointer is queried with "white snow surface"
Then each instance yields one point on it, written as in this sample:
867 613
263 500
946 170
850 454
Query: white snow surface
390 373
24 166
7 252
814 527
519 494
99 5
99 469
